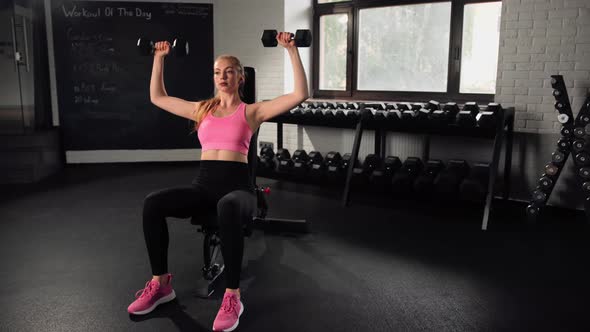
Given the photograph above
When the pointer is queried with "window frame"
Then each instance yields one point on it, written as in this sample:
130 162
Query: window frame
353 7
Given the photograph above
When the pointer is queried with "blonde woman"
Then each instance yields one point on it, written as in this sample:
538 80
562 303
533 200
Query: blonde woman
224 126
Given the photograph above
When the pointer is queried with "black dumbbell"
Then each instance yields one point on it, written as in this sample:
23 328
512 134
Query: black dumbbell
380 178
467 116
267 162
360 175
563 144
285 164
392 113
300 162
475 186
353 113
448 181
560 106
444 116
584 173
558 157
424 183
532 212
582 159
586 187
302 38
423 114
402 181
578 145
179 47
579 132
489 117
317 167
333 163
567 131
539 197
545 183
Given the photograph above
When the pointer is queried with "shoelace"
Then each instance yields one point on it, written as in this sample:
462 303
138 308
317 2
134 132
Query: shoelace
147 291
229 304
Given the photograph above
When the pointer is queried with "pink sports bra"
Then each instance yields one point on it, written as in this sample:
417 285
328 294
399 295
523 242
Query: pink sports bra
230 132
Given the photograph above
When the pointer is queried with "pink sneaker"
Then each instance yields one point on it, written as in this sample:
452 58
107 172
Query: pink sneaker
152 295
229 314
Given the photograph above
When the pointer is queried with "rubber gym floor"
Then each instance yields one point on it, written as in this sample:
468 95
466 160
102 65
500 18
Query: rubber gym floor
73 256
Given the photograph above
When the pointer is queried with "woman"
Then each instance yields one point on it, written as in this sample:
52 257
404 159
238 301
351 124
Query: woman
225 125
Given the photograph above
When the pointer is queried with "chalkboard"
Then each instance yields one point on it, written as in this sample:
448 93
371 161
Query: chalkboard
103 82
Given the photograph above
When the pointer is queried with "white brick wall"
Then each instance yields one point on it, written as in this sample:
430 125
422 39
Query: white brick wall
540 38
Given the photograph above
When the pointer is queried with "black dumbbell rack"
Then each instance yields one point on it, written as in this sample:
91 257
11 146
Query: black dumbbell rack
573 141
502 131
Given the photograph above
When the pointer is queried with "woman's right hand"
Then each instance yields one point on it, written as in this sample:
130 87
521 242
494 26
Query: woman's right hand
161 48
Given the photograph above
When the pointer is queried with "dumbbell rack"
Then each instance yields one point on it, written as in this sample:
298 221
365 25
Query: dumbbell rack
573 141
502 131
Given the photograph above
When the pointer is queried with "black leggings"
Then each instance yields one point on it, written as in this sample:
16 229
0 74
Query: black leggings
221 185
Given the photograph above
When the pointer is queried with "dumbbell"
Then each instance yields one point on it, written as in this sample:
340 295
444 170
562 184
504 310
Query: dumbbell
360 175
489 117
408 112
339 114
423 114
300 162
346 160
563 144
545 183
329 112
380 178
333 163
392 113
539 197
424 183
558 157
475 186
285 164
444 116
267 162
377 111
403 180
567 131
579 132
147 47
297 111
448 181
578 145
466 117
552 169
532 212
317 167
302 38
582 159
584 173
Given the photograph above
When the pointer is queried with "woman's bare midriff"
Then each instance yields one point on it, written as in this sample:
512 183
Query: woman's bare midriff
224 155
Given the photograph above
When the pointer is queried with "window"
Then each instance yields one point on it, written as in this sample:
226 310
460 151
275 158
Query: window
404 48
481 41
394 50
333 48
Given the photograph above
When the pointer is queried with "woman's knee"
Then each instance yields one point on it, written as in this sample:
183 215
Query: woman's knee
228 203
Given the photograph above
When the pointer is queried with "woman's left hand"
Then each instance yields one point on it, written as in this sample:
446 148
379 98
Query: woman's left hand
284 39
